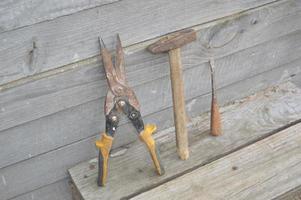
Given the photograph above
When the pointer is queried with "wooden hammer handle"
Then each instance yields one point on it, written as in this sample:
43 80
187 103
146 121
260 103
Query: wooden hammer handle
178 102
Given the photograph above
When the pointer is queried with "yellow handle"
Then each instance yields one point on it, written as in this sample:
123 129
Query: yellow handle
104 145
146 137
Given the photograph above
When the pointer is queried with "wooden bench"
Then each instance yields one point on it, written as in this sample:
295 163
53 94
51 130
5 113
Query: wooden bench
257 157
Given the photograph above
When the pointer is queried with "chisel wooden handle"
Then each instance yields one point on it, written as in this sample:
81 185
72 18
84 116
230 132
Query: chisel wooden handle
215 122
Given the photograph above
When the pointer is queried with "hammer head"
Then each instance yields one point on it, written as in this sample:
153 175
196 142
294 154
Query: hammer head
173 41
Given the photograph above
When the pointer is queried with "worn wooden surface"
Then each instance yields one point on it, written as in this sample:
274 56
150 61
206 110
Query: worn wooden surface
32 178
84 149
40 99
294 194
244 122
73 37
44 97
263 170
88 83
265 23
19 13
50 114
178 99
56 191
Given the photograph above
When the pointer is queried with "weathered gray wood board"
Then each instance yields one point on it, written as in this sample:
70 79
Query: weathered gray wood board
74 37
92 85
69 155
57 191
229 34
32 101
49 120
263 170
294 194
244 122
150 67
18 13
64 192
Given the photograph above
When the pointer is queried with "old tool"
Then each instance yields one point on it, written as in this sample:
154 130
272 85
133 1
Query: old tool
171 44
215 123
121 98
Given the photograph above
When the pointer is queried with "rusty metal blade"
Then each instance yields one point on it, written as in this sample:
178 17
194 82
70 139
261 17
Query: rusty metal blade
119 62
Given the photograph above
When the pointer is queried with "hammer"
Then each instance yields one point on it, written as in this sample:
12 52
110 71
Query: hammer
171 44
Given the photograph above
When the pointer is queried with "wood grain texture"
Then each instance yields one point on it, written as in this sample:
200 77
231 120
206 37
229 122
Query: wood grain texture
294 194
178 99
71 83
47 96
29 174
263 170
249 120
44 46
266 23
44 131
75 194
66 109
19 13
57 191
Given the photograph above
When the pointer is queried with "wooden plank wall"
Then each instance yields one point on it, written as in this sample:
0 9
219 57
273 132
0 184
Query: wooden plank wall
53 87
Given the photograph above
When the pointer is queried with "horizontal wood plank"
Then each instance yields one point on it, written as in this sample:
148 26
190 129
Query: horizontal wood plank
67 126
294 194
263 170
57 191
51 92
72 38
241 125
25 176
47 96
266 23
61 189
19 13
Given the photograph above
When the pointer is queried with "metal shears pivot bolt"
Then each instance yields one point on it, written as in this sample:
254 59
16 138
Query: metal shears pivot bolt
121 103
133 115
114 118
121 95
